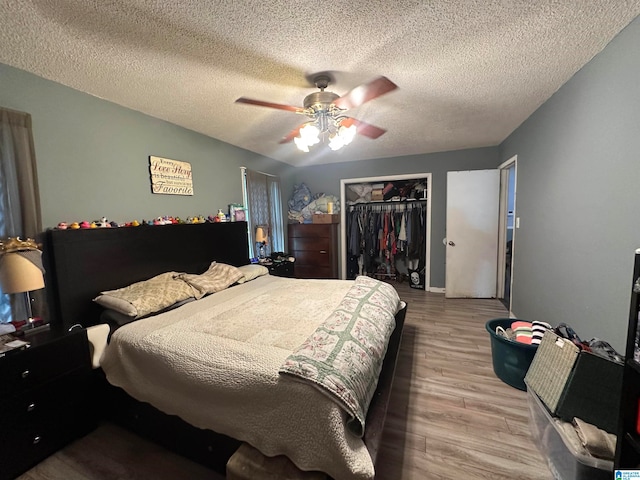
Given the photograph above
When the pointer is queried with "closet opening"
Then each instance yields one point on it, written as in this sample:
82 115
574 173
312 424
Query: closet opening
386 228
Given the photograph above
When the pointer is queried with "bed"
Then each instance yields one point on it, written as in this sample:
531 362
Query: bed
312 430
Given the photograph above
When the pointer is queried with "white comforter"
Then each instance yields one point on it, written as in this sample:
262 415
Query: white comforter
214 363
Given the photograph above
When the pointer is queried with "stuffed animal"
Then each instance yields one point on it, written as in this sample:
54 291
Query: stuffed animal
62 226
102 223
85 224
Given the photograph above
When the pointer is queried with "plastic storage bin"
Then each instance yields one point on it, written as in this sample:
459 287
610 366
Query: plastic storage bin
565 461
511 359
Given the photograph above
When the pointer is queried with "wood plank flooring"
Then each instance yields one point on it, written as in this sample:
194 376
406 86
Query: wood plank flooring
450 417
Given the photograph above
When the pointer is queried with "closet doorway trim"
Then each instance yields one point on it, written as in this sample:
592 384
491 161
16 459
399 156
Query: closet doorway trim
384 178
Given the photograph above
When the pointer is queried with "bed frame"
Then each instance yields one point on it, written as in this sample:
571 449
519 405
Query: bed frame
81 263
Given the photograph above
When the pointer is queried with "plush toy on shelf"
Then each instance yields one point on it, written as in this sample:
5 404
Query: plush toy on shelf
102 223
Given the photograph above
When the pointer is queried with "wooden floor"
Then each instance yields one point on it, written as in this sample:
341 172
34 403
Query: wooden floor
450 417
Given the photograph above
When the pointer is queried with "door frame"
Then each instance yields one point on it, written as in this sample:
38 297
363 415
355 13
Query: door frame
382 178
502 226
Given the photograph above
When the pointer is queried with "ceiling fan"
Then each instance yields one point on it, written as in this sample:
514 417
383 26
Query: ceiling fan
326 113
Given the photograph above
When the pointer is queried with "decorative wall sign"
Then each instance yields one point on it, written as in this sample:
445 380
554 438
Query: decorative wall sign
170 177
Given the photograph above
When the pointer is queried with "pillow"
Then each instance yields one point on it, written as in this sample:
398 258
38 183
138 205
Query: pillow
217 277
113 303
252 271
147 296
117 319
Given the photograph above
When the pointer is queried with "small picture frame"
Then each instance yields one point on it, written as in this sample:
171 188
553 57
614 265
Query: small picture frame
239 215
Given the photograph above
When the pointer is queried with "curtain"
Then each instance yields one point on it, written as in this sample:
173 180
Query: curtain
19 196
264 207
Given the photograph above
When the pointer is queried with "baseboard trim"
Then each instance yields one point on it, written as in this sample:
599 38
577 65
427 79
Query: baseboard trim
436 289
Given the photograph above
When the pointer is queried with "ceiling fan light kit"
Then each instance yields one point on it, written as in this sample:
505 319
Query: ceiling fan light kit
326 111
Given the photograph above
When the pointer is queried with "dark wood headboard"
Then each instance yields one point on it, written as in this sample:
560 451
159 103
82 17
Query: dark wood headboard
81 263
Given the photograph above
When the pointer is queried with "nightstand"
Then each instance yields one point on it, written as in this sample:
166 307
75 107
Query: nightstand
45 398
282 268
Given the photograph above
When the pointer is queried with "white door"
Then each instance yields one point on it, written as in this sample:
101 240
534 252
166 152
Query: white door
472 233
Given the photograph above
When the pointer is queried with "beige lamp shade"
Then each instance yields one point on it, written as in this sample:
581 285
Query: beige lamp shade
261 234
18 275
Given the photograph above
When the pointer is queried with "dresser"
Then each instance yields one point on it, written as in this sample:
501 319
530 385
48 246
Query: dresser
315 248
45 398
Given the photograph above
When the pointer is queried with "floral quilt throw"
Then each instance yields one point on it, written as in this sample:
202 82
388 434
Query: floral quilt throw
343 357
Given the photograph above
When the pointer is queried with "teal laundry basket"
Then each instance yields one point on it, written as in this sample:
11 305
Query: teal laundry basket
511 359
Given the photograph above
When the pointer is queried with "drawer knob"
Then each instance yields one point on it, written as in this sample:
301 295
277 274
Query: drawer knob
31 407
36 439
323 251
25 374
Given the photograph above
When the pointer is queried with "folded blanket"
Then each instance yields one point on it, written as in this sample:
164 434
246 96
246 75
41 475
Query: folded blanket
523 331
597 442
343 357
538 328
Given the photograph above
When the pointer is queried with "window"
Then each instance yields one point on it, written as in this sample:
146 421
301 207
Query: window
19 197
262 196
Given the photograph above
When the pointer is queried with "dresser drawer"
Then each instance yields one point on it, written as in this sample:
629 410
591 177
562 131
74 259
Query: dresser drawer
307 271
305 243
310 230
311 258
42 362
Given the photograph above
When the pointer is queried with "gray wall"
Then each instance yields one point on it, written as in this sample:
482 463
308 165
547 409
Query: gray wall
93 156
326 179
578 197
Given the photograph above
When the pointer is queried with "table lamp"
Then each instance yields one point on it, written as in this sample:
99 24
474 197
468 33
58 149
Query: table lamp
262 238
19 274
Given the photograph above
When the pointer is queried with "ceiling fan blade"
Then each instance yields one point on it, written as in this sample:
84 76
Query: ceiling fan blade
260 103
365 92
365 129
291 135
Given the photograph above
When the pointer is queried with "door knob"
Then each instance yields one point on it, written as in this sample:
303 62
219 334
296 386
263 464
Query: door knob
451 243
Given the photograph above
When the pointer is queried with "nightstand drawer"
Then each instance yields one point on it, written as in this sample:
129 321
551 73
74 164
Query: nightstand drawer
29 444
43 362
51 399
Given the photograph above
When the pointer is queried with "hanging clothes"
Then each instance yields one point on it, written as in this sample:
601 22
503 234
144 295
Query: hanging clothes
381 235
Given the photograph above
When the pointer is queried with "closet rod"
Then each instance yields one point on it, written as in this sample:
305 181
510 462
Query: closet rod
385 206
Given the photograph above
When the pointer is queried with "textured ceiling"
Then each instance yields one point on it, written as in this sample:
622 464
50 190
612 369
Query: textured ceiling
469 71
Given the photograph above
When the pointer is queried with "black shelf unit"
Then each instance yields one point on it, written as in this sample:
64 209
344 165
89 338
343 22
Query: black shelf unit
628 445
